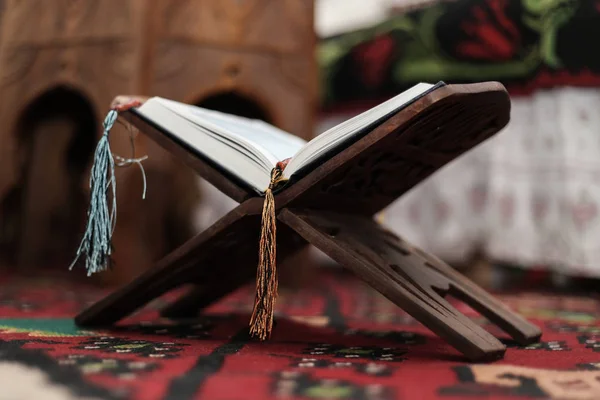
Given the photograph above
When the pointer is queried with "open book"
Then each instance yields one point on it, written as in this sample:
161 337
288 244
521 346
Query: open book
249 149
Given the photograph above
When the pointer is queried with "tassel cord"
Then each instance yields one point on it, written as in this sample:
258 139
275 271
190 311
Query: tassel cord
126 162
261 321
96 243
101 219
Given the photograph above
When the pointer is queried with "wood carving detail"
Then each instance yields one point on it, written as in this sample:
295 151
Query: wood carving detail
368 239
248 24
405 153
412 279
452 129
239 12
180 18
120 61
384 174
78 14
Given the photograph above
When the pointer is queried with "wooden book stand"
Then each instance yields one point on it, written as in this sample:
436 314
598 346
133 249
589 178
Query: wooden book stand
332 207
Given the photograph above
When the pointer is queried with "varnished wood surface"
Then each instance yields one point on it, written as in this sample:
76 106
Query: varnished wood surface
184 50
396 156
331 208
263 51
411 279
224 256
231 235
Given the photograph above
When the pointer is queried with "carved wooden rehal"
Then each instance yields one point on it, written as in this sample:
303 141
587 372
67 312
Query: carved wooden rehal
332 208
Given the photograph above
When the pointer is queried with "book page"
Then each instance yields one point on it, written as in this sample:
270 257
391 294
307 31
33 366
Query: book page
250 148
274 143
337 135
230 155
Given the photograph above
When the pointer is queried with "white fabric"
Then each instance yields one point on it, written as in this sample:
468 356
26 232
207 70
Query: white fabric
528 196
213 205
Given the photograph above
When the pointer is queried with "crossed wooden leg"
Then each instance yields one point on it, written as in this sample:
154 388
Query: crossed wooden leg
413 280
224 257
221 259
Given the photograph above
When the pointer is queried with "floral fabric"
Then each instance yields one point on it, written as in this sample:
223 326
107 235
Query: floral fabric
525 44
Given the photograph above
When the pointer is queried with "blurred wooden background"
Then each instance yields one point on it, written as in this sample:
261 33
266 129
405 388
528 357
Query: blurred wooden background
61 64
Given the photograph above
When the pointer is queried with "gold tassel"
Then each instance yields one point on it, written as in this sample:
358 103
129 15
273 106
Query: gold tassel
261 322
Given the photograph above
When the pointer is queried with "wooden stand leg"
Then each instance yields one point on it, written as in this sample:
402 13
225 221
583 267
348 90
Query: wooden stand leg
465 290
411 279
212 256
203 295
200 297
221 258
360 181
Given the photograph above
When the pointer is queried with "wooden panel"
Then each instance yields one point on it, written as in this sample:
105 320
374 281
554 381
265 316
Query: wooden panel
27 73
93 49
283 26
258 49
412 279
393 158
68 22
283 86
98 69
225 254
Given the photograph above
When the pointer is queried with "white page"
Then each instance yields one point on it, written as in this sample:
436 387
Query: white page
250 148
233 159
346 130
274 143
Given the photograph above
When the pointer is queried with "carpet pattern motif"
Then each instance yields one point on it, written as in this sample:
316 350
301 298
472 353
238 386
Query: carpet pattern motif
336 340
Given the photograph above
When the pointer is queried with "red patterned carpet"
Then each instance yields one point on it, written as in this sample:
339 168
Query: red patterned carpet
337 340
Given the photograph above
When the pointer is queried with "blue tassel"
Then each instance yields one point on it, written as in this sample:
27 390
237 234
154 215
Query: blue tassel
96 244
